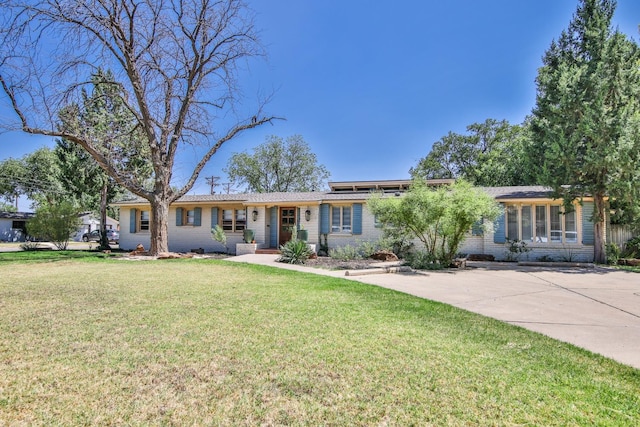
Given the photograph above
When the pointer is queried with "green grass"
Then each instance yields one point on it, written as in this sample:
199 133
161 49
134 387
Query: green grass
49 255
628 268
204 342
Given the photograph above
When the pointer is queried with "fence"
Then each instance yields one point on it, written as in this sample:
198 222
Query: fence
619 234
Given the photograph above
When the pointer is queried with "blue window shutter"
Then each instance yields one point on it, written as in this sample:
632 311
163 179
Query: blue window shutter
273 231
298 220
356 226
214 217
499 235
588 234
324 218
476 228
197 217
133 213
179 217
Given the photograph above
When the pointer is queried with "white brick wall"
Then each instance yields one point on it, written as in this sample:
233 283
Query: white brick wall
370 233
185 238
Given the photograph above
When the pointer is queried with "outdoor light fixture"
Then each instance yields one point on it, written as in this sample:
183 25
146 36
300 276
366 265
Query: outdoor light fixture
307 215
254 215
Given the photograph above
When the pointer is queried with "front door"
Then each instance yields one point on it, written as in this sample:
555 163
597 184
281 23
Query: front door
287 222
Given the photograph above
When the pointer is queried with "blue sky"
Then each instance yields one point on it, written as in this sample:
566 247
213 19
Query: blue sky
372 85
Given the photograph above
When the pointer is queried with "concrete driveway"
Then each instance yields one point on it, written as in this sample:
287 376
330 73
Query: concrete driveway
597 309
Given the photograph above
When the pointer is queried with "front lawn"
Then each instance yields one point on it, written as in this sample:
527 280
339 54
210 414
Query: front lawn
207 342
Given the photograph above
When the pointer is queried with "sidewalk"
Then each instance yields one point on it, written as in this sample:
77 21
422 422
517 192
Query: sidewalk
596 309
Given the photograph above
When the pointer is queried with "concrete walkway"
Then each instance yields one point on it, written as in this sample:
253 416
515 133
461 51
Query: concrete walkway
596 309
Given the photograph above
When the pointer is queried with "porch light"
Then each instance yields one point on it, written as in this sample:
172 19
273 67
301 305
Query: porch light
307 215
254 215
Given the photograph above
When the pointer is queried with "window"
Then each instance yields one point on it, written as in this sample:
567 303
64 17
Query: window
512 222
19 225
234 219
570 227
556 224
191 217
540 224
144 220
241 219
341 219
527 223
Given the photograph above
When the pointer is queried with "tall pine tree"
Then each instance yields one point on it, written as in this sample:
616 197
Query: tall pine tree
586 123
103 116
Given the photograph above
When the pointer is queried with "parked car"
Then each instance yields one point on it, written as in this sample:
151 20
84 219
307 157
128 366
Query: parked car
112 235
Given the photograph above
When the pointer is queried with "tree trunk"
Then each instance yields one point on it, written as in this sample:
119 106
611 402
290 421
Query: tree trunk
599 253
159 225
104 240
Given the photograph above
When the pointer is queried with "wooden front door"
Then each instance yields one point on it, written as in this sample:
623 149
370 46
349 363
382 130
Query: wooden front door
287 222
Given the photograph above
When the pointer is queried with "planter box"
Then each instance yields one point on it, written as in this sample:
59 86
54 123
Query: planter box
248 248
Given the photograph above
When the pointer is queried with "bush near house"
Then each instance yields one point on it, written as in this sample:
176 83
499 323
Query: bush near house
439 217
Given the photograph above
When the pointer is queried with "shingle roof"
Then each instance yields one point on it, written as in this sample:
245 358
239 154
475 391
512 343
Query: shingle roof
261 198
16 215
519 192
499 193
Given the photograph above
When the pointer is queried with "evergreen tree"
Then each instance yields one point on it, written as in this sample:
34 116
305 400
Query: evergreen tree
103 116
586 123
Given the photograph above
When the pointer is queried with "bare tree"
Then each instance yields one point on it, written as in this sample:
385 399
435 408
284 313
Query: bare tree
176 63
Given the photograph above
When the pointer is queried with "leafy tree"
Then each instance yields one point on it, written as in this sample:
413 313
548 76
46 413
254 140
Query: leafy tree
12 179
35 175
586 123
55 222
490 154
438 217
278 165
103 115
7 207
175 63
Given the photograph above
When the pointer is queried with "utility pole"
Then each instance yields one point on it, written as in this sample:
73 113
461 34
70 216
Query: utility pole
227 187
212 181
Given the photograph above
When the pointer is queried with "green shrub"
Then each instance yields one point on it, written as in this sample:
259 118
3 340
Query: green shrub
54 222
345 253
516 248
362 249
295 252
423 260
613 253
632 248
218 234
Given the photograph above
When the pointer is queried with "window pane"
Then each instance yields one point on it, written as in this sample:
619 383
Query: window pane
346 219
241 219
570 227
191 217
335 219
541 224
227 220
527 224
144 220
555 222
512 222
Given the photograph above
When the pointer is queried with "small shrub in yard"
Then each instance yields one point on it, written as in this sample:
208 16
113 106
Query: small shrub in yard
516 248
29 246
295 252
422 260
345 253
632 248
362 250
613 253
